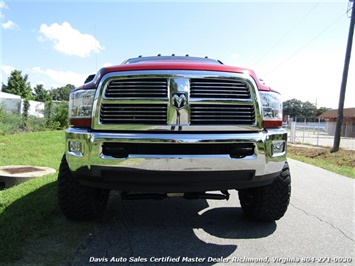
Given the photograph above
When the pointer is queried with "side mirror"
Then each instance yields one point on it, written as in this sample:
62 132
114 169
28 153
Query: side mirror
89 78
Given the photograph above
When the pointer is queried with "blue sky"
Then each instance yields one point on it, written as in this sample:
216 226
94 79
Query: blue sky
297 47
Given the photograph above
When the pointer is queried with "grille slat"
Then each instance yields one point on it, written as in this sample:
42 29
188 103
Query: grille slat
222 114
133 114
137 88
219 89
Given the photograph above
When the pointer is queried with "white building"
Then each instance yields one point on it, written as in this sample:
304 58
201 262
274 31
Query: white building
14 105
11 102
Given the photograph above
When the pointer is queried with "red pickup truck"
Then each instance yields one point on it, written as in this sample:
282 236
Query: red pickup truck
167 126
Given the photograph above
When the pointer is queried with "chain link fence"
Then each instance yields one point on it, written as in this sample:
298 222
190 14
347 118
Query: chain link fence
321 133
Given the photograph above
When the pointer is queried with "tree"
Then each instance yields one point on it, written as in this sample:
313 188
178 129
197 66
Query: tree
41 94
292 108
26 107
62 93
56 114
321 110
302 110
62 115
18 84
308 111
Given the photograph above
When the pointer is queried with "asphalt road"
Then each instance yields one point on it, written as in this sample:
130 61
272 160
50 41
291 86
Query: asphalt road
318 228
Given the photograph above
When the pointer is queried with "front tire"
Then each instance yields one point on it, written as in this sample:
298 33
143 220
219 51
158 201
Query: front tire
268 203
78 202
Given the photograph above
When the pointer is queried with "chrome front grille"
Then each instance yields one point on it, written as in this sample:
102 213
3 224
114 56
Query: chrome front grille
177 100
204 114
219 88
133 114
137 88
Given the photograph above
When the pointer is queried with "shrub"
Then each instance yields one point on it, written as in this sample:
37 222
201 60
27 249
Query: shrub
26 107
2 112
55 117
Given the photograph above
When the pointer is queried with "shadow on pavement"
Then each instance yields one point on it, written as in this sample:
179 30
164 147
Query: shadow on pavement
163 231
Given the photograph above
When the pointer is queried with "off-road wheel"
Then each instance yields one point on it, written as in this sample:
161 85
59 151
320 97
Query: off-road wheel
268 203
76 201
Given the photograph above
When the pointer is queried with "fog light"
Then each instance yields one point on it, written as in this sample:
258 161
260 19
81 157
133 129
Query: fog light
278 147
75 147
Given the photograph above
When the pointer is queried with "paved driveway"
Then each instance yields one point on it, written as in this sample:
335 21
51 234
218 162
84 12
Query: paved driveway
318 226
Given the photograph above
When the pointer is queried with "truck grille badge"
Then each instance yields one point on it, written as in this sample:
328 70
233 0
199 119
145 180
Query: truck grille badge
179 100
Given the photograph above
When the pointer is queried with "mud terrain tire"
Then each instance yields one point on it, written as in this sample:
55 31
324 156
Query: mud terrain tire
78 202
268 203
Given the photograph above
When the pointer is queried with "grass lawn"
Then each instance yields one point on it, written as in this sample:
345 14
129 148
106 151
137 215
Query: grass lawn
32 229
341 162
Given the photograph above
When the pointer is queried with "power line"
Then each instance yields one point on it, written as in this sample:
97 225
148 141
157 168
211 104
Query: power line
287 33
304 46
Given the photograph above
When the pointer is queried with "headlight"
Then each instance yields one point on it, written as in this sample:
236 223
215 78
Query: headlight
271 109
80 107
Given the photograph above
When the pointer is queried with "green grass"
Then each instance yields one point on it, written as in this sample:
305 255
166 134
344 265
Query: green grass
32 229
341 162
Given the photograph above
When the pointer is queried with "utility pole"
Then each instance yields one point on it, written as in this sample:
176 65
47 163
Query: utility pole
315 112
343 82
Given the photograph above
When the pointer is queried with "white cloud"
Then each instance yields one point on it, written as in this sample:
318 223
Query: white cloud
70 41
62 77
3 5
7 69
9 25
107 65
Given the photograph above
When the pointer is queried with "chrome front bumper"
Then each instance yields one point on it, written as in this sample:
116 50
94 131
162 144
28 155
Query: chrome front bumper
151 171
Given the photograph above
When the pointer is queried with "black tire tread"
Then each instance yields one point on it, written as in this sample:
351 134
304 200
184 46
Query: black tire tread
269 202
78 202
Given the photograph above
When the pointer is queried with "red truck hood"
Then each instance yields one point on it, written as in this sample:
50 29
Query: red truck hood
176 65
